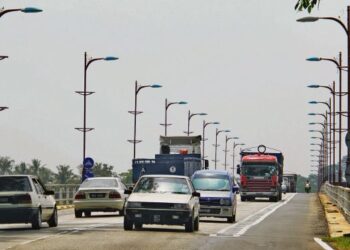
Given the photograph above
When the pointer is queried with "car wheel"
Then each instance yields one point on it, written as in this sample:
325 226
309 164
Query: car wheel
128 224
121 212
231 219
243 198
87 213
53 221
196 224
36 221
189 226
78 214
138 225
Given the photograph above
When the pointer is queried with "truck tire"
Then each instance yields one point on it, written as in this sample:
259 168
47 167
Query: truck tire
87 213
37 220
128 224
53 221
138 225
243 198
273 199
78 214
196 224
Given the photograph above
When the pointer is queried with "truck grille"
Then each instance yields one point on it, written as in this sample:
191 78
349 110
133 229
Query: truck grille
258 185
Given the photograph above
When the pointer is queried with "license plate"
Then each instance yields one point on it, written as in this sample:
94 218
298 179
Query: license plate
98 195
156 218
4 200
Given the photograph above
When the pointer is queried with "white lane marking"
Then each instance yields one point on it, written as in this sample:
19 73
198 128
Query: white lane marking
324 245
243 227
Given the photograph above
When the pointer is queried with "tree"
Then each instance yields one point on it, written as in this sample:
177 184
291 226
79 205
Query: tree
6 165
21 168
35 167
45 175
126 176
306 5
65 175
102 170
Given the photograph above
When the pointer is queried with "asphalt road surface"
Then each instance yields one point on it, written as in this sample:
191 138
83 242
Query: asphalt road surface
289 224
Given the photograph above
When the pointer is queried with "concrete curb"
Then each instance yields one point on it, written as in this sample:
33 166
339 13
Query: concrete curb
337 224
61 207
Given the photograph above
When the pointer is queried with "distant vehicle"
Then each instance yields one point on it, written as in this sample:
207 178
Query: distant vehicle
284 187
99 194
24 199
261 174
179 155
163 200
218 194
290 180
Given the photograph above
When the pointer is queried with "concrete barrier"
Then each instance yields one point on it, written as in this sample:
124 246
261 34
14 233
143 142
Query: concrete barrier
339 196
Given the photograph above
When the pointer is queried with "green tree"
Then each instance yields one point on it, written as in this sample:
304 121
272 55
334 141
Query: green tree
126 176
21 168
35 167
65 175
6 165
306 5
45 175
102 170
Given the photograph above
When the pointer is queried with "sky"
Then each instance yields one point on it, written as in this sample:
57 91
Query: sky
242 62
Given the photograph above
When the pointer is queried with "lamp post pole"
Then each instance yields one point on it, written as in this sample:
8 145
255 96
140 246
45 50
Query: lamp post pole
167 105
217 132
4 11
226 151
205 124
189 117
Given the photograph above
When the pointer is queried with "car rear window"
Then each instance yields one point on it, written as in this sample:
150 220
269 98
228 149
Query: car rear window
96 183
10 183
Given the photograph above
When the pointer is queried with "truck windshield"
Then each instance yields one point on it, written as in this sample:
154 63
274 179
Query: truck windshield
162 185
211 183
259 170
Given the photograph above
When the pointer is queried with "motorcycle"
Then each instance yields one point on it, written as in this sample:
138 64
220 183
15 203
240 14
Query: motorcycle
307 188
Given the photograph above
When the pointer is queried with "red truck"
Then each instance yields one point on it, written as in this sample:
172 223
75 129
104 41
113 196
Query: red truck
261 174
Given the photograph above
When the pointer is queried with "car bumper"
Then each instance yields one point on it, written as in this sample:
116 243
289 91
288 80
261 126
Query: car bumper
259 194
160 217
17 215
99 205
215 211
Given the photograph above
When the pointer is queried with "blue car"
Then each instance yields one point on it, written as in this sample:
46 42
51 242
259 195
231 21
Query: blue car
218 194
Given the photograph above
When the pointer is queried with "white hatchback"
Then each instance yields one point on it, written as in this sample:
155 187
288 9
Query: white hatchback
24 199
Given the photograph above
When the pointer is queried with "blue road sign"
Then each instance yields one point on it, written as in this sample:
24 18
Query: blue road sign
88 162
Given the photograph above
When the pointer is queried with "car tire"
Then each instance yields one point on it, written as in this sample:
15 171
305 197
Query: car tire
78 214
87 213
196 224
121 212
53 221
37 220
231 219
243 198
189 226
128 224
138 225
273 199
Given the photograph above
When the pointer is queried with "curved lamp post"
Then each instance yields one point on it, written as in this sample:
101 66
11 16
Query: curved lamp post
205 124
24 10
225 150
167 105
3 57
189 117
217 132
85 93
135 112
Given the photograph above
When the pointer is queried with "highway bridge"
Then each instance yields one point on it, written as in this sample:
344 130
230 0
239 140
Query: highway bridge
296 222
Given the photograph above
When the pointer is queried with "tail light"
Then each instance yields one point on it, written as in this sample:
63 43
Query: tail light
80 196
114 195
23 199
274 180
244 180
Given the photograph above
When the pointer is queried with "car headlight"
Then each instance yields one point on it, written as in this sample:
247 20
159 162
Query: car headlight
181 206
134 205
225 202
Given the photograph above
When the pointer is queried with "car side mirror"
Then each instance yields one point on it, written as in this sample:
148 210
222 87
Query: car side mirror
49 192
196 194
238 169
128 191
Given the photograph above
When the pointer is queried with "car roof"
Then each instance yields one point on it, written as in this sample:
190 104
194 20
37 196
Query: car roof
211 172
19 175
166 175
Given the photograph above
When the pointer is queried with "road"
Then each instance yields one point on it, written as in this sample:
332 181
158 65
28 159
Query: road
290 224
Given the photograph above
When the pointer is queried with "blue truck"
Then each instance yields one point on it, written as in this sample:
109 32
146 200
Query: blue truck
179 155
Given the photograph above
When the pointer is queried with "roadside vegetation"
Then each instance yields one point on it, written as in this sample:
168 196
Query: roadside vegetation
339 243
302 180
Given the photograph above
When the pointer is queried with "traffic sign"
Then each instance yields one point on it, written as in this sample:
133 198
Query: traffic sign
347 139
88 162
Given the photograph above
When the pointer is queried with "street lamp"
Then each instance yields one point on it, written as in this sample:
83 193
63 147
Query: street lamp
189 117
135 112
205 124
226 140
346 29
233 155
85 93
3 11
217 132
3 57
167 105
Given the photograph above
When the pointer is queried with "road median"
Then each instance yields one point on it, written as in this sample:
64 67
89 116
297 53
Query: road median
62 207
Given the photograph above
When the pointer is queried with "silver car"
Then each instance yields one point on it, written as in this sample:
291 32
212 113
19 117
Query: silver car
99 194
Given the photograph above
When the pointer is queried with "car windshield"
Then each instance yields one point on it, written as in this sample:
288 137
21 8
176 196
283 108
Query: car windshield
10 184
259 170
211 182
162 185
99 183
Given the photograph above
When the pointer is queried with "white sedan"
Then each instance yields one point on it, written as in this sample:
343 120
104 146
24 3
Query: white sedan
99 194
162 199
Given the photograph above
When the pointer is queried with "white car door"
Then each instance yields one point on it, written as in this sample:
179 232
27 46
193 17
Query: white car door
44 200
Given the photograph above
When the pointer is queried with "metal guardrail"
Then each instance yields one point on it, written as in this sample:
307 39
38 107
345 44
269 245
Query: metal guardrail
64 193
339 196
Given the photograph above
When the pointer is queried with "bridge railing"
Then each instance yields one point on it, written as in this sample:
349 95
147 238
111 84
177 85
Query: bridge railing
64 193
339 196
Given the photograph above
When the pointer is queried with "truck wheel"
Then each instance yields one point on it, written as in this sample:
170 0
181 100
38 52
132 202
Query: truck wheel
138 225
128 224
78 214
53 221
36 220
87 213
189 226
243 198
273 199
121 212
196 224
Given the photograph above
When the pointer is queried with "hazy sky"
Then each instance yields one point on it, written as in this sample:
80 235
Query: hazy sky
242 62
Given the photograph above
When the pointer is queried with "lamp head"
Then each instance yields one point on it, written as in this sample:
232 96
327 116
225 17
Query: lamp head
31 10
313 86
308 19
110 58
156 86
313 59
